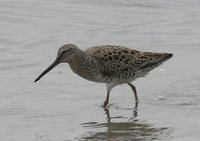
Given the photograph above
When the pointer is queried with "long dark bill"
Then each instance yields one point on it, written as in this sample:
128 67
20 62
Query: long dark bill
56 62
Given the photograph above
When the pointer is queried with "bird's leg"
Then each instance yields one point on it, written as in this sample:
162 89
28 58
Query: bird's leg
109 87
134 90
107 100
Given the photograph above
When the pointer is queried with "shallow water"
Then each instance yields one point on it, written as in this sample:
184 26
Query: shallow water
63 106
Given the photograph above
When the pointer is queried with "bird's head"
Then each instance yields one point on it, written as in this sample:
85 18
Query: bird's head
66 54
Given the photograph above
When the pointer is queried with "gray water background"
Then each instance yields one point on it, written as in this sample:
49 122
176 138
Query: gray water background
62 106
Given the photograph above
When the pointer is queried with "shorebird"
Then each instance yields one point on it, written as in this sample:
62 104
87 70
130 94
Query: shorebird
113 65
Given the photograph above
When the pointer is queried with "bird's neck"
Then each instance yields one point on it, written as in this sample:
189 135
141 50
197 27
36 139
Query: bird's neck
77 62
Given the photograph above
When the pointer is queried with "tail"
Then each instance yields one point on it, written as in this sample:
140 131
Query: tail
158 60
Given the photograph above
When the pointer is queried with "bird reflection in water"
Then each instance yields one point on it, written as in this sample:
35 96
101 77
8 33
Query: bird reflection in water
130 130
135 113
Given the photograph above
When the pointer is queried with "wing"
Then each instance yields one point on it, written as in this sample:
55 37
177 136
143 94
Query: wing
114 60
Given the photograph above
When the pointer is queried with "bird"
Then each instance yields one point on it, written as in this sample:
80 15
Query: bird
110 64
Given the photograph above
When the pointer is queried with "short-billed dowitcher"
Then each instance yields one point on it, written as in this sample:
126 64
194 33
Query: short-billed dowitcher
108 64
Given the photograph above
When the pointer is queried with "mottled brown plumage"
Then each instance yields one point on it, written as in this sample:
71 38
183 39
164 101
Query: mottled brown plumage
108 64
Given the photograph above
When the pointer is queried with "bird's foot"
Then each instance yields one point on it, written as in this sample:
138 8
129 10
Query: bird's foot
105 103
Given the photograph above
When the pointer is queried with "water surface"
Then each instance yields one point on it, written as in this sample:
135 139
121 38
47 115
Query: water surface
63 106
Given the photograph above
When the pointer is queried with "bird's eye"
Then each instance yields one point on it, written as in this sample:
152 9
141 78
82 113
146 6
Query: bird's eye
64 51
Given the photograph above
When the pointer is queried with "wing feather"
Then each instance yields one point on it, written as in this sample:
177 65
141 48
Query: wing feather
114 60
